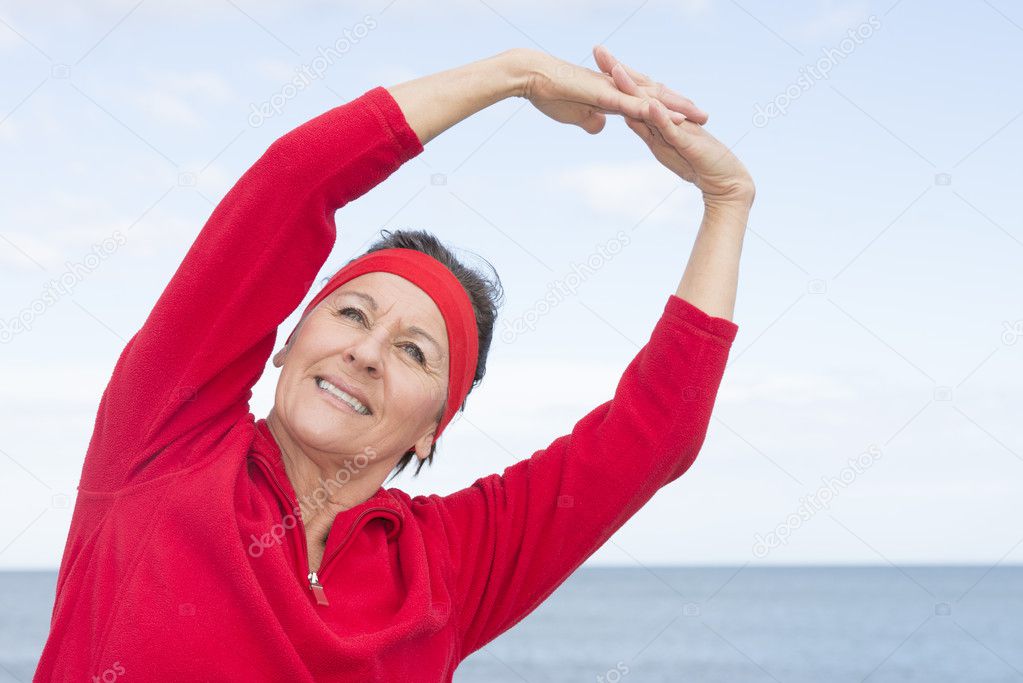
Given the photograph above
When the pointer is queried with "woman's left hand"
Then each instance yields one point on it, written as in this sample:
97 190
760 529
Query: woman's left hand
646 87
685 148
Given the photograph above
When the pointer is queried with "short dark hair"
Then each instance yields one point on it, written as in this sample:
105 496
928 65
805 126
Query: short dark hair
485 293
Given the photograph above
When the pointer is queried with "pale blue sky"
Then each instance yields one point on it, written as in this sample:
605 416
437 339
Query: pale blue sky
882 265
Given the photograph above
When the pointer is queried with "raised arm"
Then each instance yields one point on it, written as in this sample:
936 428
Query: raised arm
186 375
515 537
565 92
688 150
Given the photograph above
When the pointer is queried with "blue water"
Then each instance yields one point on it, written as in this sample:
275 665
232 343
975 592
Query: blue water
730 624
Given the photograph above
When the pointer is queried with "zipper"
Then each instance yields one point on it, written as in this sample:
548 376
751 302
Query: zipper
315 584
317 589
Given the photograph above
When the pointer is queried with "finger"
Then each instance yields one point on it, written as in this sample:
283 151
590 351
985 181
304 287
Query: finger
676 117
624 82
608 60
671 99
675 101
682 107
658 116
614 101
594 123
603 58
627 98
680 103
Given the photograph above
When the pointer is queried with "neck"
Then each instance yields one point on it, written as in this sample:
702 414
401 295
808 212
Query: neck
327 483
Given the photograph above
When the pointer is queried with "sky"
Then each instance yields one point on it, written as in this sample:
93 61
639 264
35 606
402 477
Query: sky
865 415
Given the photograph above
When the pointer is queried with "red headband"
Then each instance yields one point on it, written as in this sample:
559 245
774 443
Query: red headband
434 278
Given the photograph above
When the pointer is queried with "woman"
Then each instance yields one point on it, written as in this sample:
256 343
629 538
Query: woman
207 545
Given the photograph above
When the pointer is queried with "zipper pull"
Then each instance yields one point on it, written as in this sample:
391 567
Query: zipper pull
317 588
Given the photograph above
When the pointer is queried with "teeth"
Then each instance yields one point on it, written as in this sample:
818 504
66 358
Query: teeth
350 400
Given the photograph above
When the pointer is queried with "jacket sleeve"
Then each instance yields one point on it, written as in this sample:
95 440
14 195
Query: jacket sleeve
190 368
515 537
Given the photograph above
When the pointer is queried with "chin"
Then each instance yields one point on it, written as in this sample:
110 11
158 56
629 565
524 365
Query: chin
319 426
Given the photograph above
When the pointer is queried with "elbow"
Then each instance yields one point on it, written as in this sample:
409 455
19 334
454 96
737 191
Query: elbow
689 444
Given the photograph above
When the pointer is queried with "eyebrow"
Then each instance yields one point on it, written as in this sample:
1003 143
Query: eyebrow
413 329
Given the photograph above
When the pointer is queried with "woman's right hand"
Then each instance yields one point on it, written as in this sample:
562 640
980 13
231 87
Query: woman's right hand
569 93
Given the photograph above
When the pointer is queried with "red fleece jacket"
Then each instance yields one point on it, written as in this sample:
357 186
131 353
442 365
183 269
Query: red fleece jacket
184 560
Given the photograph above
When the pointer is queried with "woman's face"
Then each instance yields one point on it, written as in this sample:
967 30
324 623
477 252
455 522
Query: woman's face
384 339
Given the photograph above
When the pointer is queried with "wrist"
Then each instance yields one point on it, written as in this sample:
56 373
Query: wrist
730 213
433 103
515 67
739 201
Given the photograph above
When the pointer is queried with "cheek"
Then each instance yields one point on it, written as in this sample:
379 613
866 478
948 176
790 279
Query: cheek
288 387
293 374
415 394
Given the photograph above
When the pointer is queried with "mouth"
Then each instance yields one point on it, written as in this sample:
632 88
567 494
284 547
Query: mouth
344 398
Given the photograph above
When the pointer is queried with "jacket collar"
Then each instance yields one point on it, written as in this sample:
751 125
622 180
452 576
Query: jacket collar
381 504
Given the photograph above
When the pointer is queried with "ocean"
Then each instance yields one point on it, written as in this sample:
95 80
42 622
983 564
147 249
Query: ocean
708 624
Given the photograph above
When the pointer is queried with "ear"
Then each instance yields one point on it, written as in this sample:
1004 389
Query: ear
283 353
425 443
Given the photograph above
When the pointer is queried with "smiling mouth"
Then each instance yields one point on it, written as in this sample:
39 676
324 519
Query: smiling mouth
340 395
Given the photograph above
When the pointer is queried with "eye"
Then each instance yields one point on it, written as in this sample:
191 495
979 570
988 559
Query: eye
418 353
345 311
414 350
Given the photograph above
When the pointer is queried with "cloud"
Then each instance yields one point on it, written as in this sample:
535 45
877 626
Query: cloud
392 74
519 8
9 40
630 189
22 250
60 226
832 22
215 180
789 388
8 131
508 408
171 100
166 107
52 380
110 11
207 84
59 221
275 70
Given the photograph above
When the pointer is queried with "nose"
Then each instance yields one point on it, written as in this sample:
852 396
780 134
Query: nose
365 351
